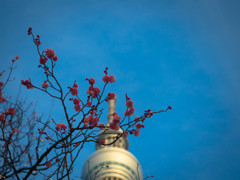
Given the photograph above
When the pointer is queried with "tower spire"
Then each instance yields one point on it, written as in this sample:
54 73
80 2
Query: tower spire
111 109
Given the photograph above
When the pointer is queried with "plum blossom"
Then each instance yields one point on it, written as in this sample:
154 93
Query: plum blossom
2 99
102 142
76 101
130 111
29 31
75 85
2 118
129 104
11 111
136 119
93 121
125 134
94 92
111 96
74 91
61 126
50 53
116 117
43 60
114 126
45 85
89 103
101 126
86 120
112 79
136 133
77 107
48 164
1 84
91 81
139 125
148 113
55 58
27 84
106 78
76 145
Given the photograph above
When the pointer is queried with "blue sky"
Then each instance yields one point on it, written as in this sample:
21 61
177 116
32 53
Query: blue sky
180 53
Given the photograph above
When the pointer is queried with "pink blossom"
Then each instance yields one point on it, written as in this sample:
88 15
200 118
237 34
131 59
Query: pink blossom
27 84
129 112
77 107
116 117
94 121
76 101
148 113
45 85
125 134
11 111
16 130
74 91
97 90
132 110
89 103
94 92
2 99
2 118
43 60
101 126
102 142
106 78
111 96
17 57
112 79
1 84
90 89
129 104
136 119
114 125
86 120
75 85
76 145
29 31
169 107
138 125
50 53
61 126
48 164
55 58
41 132
91 81
136 132
85 125
37 42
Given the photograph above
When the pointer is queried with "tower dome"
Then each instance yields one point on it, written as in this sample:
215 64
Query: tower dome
112 162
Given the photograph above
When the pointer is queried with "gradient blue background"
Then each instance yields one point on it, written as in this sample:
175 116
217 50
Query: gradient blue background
180 53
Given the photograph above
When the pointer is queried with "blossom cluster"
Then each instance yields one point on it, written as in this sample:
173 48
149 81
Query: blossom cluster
106 78
92 120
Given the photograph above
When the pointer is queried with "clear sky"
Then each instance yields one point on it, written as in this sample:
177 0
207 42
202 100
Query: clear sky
180 53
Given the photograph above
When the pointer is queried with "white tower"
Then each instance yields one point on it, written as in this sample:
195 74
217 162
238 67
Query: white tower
122 164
